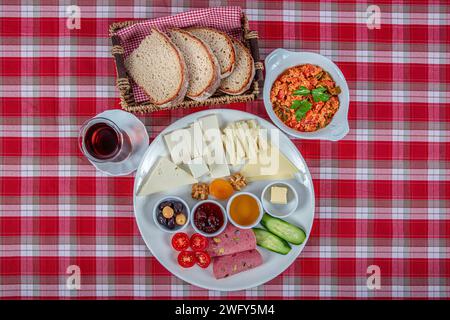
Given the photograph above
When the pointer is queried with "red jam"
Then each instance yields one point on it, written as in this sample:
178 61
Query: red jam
208 217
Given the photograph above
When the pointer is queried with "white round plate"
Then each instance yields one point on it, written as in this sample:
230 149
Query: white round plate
281 59
139 137
159 242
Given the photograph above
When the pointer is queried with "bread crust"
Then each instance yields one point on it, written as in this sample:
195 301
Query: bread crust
230 68
250 75
214 81
178 97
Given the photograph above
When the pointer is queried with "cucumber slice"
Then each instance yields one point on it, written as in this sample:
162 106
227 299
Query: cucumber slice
283 229
271 242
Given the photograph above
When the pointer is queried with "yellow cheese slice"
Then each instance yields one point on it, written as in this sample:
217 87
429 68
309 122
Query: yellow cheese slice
273 177
165 176
271 165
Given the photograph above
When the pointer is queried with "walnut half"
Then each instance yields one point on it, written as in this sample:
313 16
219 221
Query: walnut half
238 181
200 191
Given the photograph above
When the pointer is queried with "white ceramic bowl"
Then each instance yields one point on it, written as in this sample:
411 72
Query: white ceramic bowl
277 62
261 211
177 228
280 210
225 219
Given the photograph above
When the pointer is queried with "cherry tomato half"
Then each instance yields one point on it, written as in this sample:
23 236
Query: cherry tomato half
203 259
180 241
198 242
186 259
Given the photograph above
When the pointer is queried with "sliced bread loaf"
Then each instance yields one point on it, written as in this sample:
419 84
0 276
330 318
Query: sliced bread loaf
241 78
202 65
159 69
220 44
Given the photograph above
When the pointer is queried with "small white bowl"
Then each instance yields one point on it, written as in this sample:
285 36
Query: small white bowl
261 211
280 210
177 228
225 219
277 62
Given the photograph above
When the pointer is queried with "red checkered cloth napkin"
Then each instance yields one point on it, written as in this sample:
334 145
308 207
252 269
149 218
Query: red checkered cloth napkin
226 19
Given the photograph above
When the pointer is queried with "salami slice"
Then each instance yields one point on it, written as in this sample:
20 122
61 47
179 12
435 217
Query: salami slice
228 265
231 240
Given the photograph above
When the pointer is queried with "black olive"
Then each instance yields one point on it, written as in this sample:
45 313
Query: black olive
161 219
171 223
178 206
162 205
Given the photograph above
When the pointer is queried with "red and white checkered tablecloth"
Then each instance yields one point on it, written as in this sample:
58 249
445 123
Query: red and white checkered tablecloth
382 193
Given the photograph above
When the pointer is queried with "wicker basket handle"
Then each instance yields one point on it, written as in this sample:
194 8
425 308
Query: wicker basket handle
117 52
252 38
122 82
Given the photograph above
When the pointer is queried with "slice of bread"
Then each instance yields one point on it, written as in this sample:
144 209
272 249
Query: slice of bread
220 44
159 69
241 78
202 65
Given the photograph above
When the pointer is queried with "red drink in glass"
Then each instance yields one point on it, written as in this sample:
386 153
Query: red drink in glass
101 140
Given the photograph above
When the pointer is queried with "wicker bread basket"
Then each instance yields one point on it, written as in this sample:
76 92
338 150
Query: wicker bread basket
123 81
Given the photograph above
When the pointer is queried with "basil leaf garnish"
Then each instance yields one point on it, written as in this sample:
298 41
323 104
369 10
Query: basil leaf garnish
302 91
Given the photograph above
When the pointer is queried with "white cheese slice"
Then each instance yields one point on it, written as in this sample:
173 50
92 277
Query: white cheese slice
253 149
253 124
234 151
178 143
252 137
198 140
240 153
259 135
215 153
219 170
240 135
210 126
198 167
230 147
263 134
164 176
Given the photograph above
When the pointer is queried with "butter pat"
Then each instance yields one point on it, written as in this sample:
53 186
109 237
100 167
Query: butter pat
278 195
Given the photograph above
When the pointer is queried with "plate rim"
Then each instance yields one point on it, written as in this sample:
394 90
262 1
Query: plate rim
266 124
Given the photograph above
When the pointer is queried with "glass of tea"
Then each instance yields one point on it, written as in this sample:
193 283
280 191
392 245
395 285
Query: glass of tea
101 140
